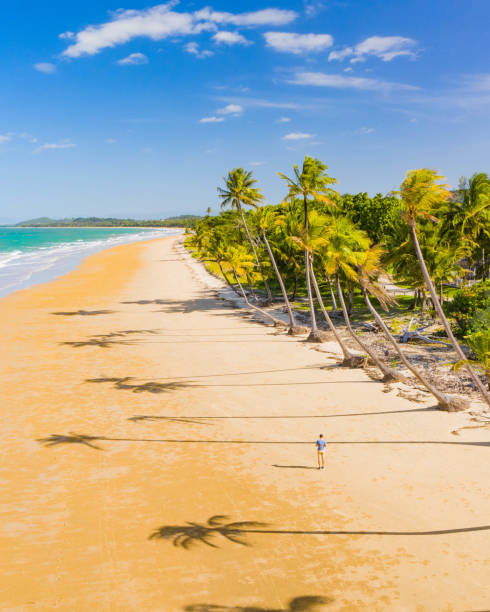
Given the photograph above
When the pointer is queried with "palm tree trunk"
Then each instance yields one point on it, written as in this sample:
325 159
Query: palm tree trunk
314 335
476 379
349 358
262 312
295 290
269 294
451 404
281 283
314 327
388 373
226 278
334 301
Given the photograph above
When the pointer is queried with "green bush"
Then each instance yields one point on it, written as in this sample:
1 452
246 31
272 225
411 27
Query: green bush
470 307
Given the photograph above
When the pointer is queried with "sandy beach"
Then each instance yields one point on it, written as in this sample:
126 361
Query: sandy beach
158 455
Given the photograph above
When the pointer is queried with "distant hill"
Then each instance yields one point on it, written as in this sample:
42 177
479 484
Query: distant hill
180 221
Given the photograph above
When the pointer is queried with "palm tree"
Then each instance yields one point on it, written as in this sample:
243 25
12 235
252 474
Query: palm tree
312 241
369 269
286 227
311 183
238 260
341 253
421 196
240 190
266 219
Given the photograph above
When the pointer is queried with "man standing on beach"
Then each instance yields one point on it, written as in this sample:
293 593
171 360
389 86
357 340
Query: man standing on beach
320 447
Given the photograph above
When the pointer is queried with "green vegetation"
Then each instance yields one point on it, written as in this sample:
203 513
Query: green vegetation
320 247
180 221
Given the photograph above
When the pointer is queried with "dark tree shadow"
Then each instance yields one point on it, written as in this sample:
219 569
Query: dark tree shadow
295 467
72 438
84 313
197 419
147 387
184 536
307 603
145 302
186 420
108 340
101 342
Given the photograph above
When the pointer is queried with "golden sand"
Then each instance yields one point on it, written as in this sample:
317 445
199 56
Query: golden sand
137 404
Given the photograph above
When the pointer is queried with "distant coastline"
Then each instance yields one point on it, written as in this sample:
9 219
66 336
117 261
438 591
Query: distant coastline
179 222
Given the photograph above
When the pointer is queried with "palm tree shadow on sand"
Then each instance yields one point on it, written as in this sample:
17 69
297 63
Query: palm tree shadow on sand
71 438
125 384
186 536
84 313
306 603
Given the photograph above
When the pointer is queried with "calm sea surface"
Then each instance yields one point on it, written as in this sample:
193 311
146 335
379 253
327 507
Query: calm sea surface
34 255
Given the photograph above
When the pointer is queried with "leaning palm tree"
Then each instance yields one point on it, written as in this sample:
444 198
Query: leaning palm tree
312 241
369 269
422 195
339 256
239 262
266 219
240 190
310 184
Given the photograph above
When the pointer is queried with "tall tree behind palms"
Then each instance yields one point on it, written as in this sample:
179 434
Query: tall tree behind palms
239 190
310 184
467 217
422 195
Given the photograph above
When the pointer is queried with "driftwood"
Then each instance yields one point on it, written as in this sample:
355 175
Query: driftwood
409 334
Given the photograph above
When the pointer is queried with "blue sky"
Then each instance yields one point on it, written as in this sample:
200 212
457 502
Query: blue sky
140 111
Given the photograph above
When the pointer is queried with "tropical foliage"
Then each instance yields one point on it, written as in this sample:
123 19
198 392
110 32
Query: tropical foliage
318 247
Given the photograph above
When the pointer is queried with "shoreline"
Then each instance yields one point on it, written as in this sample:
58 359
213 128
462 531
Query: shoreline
63 264
136 402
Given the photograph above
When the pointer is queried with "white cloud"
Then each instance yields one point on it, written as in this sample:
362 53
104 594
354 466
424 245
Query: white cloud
313 7
160 22
289 42
297 136
230 109
283 120
45 67
349 69
257 163
134 59
260 103
193 49
385 48
55 145
5 138
211 120
365 130
340 55
230 38
321 79
29 137
273 17
110 141
477 82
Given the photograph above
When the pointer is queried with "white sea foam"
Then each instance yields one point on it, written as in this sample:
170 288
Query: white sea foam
21 269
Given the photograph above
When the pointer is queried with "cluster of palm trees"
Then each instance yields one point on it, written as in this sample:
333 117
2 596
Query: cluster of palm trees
309 236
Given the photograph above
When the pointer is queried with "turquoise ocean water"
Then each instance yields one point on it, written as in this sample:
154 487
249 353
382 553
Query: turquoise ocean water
34 255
